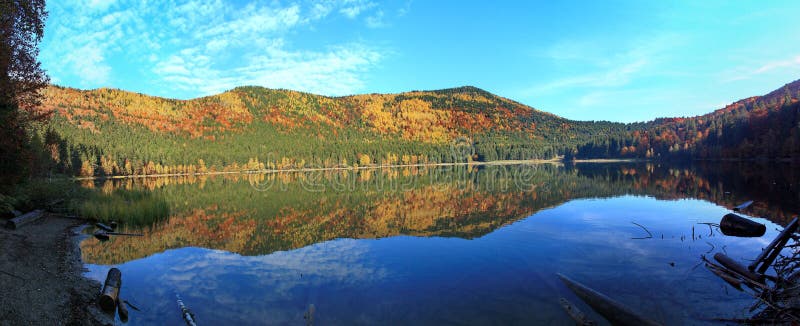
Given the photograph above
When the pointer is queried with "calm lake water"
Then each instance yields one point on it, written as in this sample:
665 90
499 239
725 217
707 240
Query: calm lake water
447 245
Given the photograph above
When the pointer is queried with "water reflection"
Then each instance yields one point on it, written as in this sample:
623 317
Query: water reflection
441 245
235 213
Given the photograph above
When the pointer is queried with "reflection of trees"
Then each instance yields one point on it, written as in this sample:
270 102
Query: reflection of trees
230 213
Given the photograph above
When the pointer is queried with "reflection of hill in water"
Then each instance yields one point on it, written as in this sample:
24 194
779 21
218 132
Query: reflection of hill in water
260 214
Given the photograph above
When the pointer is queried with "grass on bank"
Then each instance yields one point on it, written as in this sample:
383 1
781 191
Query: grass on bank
130 207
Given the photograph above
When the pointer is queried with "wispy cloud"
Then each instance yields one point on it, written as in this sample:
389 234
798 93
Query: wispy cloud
375 20
795 62
613 76
589 67
207 46
744 73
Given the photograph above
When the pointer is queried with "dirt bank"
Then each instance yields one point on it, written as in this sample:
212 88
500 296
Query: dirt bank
40 276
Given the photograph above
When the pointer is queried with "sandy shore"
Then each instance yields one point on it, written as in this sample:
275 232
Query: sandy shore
40 276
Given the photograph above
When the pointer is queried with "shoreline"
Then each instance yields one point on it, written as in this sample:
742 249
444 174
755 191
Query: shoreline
395 166
42 271
343 168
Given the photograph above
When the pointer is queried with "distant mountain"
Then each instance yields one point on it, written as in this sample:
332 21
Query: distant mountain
115 132
759 127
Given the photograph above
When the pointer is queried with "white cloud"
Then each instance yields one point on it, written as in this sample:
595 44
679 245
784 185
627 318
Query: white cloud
100 5
376 20
216 44
89 62
320 10
404 9
354 8
255 20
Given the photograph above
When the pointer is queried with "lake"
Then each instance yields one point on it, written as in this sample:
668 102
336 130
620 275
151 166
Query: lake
467 245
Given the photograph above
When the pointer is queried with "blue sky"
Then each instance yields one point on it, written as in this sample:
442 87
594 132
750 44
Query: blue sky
587 60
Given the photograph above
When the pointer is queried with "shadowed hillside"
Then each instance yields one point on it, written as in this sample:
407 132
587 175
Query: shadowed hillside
759 127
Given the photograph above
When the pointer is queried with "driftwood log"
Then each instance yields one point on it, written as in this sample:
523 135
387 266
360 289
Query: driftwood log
732 265
110 294
768 255
613 311
16 222
738 226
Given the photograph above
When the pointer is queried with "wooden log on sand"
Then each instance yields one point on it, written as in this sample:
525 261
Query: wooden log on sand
16 222
737 226
110 294
613 311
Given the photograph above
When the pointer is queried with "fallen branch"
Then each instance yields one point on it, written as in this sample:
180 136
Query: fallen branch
12 275
649 235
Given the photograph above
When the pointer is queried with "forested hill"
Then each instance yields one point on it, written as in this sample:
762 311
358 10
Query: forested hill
114 132
759 127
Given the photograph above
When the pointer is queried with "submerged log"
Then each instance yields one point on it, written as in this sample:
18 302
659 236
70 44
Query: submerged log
738 226
615 312
122 310
732 265
16 222
309 315
186 313
110 294
728 278
768 255
743 206
576 314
